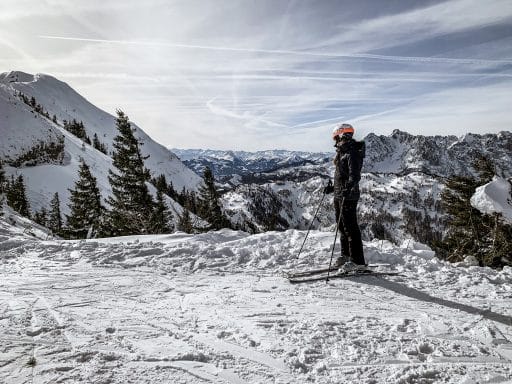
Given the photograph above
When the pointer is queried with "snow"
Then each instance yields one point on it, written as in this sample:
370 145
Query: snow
215 307
494 197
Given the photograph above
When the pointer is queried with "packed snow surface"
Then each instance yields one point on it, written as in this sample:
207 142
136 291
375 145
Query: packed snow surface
494 197
216 308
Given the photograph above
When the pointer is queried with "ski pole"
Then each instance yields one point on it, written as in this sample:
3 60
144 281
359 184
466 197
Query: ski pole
335 237
312 222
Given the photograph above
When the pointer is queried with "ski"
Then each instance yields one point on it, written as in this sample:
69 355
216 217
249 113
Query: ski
313 278
321 270
310 272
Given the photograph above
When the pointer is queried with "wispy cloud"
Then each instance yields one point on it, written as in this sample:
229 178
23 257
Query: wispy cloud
420 24
288 52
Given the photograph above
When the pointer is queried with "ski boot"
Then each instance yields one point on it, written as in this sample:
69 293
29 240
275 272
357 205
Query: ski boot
351 267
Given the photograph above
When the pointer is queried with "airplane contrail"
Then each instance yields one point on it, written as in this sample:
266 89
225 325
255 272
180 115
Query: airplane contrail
445 60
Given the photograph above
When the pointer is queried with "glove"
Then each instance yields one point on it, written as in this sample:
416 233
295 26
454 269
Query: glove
329 188
350 192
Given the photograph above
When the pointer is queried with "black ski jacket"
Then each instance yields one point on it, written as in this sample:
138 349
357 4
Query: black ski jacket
348 163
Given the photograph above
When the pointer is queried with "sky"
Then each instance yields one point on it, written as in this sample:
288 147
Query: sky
274 74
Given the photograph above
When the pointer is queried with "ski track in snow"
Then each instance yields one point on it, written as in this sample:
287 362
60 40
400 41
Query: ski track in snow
216 308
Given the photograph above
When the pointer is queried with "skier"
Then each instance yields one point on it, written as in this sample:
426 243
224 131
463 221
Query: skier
348 162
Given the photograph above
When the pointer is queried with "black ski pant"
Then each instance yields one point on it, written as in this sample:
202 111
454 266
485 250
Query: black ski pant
350 234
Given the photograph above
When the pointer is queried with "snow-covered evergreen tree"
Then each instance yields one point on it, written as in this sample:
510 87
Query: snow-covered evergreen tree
85 205
160 183
96 143
77 129
17 197
185 222
208 205
41 217
131 203
160 221
54 222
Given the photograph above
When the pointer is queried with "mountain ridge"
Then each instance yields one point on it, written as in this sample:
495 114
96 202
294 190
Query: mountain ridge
399 153
41 122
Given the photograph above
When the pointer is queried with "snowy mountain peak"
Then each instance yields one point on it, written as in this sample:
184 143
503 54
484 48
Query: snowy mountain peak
17 77
35 109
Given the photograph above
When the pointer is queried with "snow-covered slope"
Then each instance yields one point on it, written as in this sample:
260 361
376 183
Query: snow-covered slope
216 308
21 128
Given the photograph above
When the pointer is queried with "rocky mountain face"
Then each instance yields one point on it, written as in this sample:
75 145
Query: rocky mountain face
398 153
442 156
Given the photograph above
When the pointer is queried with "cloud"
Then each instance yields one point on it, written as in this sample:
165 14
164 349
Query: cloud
266 74
289 52
419 24
440 112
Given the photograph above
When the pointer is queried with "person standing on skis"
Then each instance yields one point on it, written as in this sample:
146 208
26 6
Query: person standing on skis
348 163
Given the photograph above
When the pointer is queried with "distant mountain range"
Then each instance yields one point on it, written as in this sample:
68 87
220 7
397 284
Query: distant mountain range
239 167
398 153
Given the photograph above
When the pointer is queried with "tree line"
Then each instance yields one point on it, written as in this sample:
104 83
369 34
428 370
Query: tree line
75 127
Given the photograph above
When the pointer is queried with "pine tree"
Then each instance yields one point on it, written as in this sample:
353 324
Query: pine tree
208 204
161 218
160 183
485 168
17 197
131 203
185 222
41 217
54 222
182 197
3 180
77 129
96 143
85 206
10 191
191 202
470 232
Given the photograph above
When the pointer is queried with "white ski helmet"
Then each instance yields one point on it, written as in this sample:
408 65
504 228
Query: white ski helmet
341 130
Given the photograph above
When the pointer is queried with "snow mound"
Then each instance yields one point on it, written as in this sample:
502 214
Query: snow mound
494 197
